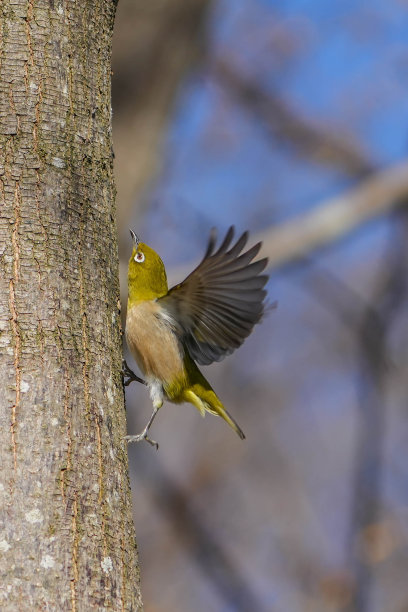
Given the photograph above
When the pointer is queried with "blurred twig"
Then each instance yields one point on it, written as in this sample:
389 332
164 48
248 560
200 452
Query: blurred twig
370 324
373 353
309 138
206 550
336 217
155 44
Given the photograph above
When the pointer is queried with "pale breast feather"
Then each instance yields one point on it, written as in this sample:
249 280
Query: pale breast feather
153 343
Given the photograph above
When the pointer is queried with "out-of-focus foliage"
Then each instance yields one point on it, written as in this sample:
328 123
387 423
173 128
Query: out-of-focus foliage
286 105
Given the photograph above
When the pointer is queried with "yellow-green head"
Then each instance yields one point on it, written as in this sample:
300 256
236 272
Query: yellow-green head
147 278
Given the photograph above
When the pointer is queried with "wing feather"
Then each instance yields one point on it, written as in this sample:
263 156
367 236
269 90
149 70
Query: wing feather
218 304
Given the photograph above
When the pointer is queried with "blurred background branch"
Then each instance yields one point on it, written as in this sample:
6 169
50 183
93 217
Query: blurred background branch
334 219
156 43
368 512
288 127
205 549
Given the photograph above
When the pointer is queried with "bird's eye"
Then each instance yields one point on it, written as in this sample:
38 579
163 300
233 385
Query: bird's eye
139 257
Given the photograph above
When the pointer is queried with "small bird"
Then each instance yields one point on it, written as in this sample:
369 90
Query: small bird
200 320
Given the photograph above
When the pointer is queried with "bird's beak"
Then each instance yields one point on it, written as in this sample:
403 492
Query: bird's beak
134 238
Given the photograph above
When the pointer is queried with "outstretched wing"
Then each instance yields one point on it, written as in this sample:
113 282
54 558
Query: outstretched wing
218 304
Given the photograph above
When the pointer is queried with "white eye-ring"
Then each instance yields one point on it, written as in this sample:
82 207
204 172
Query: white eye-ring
139 257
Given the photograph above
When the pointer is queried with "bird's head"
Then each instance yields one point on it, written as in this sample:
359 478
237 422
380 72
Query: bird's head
146 273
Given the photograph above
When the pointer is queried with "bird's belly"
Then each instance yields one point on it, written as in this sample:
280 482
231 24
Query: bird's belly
153 343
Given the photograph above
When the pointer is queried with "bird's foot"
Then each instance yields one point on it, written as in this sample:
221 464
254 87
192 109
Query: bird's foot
129 376
142 436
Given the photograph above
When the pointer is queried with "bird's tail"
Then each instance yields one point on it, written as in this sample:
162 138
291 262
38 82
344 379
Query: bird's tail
230 420
205 400
199 392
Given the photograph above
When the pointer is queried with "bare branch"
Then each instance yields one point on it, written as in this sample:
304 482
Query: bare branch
311 139
207 550
335 218
373 338
162 41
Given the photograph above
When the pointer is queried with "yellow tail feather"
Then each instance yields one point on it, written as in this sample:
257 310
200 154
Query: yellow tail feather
215 407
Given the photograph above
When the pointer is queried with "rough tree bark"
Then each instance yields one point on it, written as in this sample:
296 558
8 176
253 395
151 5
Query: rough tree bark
66 533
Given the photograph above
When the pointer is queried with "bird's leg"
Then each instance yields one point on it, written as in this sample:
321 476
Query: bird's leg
129 376
143 434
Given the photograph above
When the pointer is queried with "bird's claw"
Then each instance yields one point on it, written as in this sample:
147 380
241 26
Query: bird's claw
129 376
142 436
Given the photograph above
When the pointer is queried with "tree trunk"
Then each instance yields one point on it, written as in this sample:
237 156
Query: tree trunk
66 533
